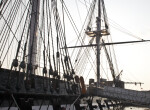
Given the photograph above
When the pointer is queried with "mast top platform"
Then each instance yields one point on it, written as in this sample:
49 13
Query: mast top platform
103 32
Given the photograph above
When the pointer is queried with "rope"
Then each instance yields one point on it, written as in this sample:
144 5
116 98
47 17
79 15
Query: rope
9 24
15 101
115 25
76 100
14 34
5 6
52 38
78 11
79 40
48 45
121 29
66 50
86 5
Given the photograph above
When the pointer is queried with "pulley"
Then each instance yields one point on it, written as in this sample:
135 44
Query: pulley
70 77
55 73
57 54
51 71
15 63
73 72
66 59
44 70
77 79
65 76
23 65
58 77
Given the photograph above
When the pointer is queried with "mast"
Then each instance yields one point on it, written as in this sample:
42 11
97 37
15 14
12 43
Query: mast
32 49
98 36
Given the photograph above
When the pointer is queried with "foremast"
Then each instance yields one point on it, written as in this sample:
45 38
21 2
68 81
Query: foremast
98 36
32 48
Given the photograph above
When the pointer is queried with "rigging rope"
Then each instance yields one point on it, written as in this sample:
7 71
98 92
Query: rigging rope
48 44
78 11
117 26
15 101
72 22
10 19
14 34
50 25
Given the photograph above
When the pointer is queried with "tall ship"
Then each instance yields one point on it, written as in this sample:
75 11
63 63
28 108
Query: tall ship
47 60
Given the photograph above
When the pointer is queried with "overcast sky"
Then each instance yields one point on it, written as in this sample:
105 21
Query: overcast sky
133 59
